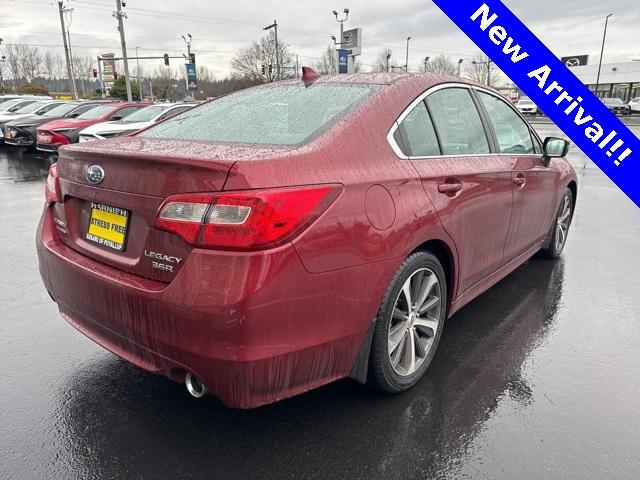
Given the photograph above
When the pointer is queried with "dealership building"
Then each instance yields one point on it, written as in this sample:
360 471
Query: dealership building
621 80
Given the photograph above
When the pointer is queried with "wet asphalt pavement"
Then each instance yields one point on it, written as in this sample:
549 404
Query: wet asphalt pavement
537 378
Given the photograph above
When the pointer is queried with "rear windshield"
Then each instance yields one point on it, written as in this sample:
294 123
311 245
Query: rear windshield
98 112
613 101
271 115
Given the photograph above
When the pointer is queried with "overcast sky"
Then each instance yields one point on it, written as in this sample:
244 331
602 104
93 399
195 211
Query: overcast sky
221 28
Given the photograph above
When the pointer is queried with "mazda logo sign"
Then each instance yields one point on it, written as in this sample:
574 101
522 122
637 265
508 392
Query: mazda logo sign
95 174
573 62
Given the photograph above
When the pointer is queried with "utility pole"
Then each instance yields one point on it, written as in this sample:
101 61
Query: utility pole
72 83
388 57
426 60
119 14
604 37
274 25
459 66
406 61
139 79
188 42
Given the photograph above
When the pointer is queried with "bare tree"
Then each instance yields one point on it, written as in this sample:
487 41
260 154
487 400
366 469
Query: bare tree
51 65
13 59
163 80
440 65
327 63
82 70
384 61
479 68
249 62
30 62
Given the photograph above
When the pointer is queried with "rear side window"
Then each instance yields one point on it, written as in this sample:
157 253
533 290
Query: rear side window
173 112
418 135
512 132
280 114
458 122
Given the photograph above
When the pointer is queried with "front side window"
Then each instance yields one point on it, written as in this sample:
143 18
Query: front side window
417 134
275 114
512 132
458 122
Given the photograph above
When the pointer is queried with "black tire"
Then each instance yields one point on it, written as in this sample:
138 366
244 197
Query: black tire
381 373
555 248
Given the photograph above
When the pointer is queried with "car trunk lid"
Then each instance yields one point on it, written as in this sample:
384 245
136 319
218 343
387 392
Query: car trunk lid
112 220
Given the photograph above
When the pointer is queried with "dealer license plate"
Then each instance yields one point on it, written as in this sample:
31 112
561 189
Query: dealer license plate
108 226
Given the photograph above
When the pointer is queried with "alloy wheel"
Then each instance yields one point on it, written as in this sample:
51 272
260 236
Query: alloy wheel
562 223
414 321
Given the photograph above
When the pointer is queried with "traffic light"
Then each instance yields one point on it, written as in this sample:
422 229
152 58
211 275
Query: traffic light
192 58
264 69
166 59
270 69
95 73
115 74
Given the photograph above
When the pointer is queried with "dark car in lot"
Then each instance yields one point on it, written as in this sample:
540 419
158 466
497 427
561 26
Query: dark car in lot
52 135
288 235
22 132
617 106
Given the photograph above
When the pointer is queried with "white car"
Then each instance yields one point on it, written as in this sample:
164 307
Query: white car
22 108
634 105
527 107
143 118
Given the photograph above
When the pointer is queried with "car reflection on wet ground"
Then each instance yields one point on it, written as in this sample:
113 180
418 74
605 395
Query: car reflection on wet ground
537 378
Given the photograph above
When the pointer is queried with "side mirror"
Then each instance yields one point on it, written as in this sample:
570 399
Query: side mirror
116 117
73 115
554 147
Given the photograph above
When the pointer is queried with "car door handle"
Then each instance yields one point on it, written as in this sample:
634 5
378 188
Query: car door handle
449 187
519 180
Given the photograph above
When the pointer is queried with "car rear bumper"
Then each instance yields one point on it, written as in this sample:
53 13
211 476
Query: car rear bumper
255 328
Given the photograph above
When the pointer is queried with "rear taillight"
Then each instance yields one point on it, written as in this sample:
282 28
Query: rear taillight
52 187
246 220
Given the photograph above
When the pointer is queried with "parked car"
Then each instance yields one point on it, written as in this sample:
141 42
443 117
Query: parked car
143 118
52 135
527 107
617 106
22 132
634 105
6 98
28 108
287 235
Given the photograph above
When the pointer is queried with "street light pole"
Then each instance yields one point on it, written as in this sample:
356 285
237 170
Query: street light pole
274 25
388 57
604 37
119 14
72 84
406 60
459 65
139 79
426 60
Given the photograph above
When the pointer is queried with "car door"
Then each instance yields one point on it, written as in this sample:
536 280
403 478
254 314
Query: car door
534 184
446 141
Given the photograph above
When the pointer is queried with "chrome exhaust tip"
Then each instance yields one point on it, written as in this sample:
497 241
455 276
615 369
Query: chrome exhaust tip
194 386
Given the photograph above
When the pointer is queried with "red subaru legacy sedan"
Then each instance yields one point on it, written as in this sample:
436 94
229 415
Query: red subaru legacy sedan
288 235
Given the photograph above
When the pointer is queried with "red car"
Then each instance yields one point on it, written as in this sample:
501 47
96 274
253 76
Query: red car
51 136
291 234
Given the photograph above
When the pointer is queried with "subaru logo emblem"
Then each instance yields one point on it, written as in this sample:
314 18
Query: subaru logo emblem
95 174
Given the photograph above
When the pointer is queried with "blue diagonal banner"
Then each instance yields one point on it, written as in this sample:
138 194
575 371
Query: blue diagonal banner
553 87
